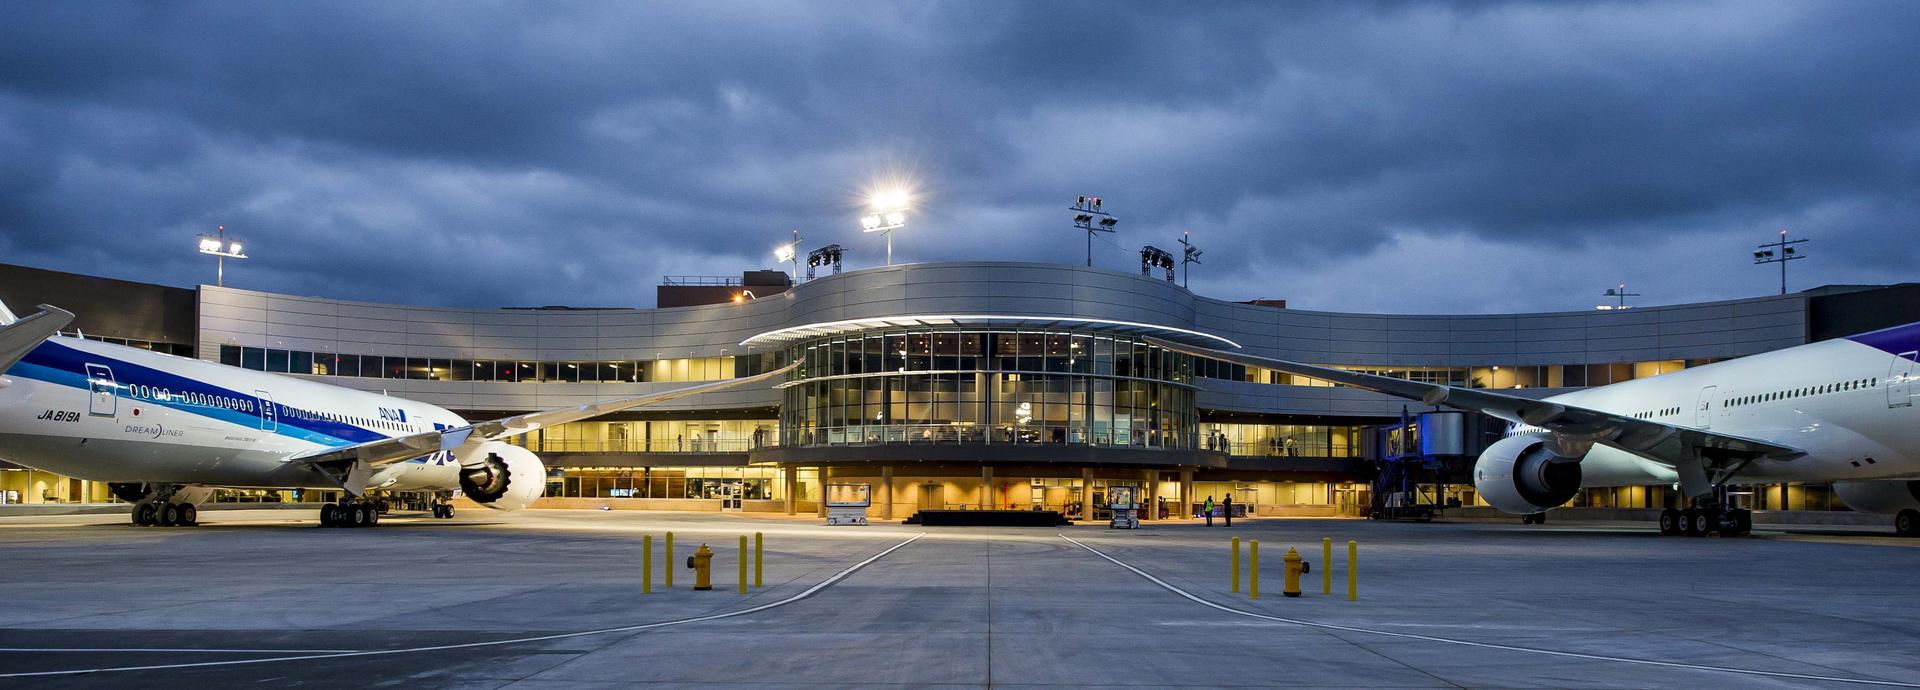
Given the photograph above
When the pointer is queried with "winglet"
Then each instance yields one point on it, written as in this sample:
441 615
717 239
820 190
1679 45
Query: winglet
19 336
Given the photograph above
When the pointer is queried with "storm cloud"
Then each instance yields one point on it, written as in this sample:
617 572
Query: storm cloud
1373 157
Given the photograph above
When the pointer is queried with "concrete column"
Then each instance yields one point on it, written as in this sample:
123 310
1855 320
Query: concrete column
988 500
1149 509
793 487
821 511
886 492
1186 493
1086 493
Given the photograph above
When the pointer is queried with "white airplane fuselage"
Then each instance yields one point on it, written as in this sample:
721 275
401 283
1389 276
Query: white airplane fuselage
111 413
1850 405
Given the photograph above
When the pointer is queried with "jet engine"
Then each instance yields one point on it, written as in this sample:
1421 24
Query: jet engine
505 477
1522 475
1883 497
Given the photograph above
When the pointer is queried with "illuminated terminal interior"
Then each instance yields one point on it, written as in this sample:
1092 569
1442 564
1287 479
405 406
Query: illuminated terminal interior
959 386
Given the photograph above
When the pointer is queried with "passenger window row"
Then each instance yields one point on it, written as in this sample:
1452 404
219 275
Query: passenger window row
1793 393
1662 412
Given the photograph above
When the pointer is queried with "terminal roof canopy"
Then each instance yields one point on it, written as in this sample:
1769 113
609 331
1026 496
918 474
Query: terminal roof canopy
814 330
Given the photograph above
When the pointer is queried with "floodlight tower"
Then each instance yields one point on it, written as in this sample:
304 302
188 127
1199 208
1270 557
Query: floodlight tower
1088 216
1189 254
222 249
1786 253
789 252
889 214
824 256
1152 257
1620 294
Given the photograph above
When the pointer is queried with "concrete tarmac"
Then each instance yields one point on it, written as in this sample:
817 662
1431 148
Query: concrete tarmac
495 600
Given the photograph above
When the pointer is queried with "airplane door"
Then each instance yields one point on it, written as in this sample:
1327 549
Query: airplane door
269 418
1703 409
1900 380
103 398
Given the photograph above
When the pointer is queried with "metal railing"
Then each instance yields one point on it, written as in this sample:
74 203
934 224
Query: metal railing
685 445
949 434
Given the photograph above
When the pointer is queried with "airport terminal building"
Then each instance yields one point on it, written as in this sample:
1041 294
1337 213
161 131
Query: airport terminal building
951 385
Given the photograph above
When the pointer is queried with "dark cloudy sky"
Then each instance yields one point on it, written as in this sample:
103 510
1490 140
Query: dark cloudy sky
1418 157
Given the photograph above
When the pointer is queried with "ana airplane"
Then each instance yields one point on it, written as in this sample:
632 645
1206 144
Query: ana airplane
1839 411
164 431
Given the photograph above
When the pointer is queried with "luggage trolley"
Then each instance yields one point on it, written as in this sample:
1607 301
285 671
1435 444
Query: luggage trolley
847 503
1126 510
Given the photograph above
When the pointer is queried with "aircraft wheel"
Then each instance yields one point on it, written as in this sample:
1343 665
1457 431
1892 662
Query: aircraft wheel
144 515
373 516
1743 522
357 515
329 515
189 515
1686 522
1669 521
446 511
1701 522
169 514
1907 523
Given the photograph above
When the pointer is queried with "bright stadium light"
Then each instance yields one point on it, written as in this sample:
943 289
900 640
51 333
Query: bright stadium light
889 214
1085 209
790 253
221 249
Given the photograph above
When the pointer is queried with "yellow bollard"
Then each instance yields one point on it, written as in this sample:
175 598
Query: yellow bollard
702 564
1353 570
756 559
1236 564
1253 569
667 553
743 564
1326 565
646 564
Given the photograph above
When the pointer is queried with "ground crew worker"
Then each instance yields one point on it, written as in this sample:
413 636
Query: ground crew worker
1226 509
1209 508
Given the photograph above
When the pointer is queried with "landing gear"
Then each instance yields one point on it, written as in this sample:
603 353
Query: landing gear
443 511
1534 519
349 514
1711 521
154 505
1907 523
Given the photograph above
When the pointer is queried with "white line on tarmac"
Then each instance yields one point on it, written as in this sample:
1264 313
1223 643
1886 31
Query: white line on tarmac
171 650
493 643
1488 645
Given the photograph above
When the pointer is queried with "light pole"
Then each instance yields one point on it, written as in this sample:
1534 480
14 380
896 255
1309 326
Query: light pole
1189 254
1085 212
790 252
889 214
1786 253
1620 294
222 249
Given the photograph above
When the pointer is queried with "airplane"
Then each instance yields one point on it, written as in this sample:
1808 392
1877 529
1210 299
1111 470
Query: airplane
1840 411
165 431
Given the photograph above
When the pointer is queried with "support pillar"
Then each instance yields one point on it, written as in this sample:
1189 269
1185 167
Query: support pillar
988 501
1086 493
793 487
821 510
886 492
1150 506
1186 493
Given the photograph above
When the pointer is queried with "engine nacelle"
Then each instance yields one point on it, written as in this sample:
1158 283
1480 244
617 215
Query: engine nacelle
503 476
1883 497
1522 475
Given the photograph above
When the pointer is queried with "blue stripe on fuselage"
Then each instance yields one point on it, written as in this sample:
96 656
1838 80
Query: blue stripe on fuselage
1898 340
63 365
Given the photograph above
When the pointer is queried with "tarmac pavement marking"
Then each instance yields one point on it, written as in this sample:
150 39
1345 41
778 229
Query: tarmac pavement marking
810 591
1488 645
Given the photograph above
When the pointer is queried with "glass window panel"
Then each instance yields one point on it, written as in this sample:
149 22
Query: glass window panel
230 355
346 365
277 361
395 367
300 362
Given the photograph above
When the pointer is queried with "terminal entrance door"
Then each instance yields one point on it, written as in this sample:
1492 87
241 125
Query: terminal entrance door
932 497
730 494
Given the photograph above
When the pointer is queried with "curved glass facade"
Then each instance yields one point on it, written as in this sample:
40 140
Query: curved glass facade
989 386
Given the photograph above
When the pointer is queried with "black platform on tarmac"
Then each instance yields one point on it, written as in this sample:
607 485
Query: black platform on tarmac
988 518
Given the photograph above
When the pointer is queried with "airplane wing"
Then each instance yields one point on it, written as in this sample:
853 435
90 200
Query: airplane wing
19 336
1573 429
375 454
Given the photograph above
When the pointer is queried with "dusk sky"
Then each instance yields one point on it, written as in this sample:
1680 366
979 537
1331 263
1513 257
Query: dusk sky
1418 157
